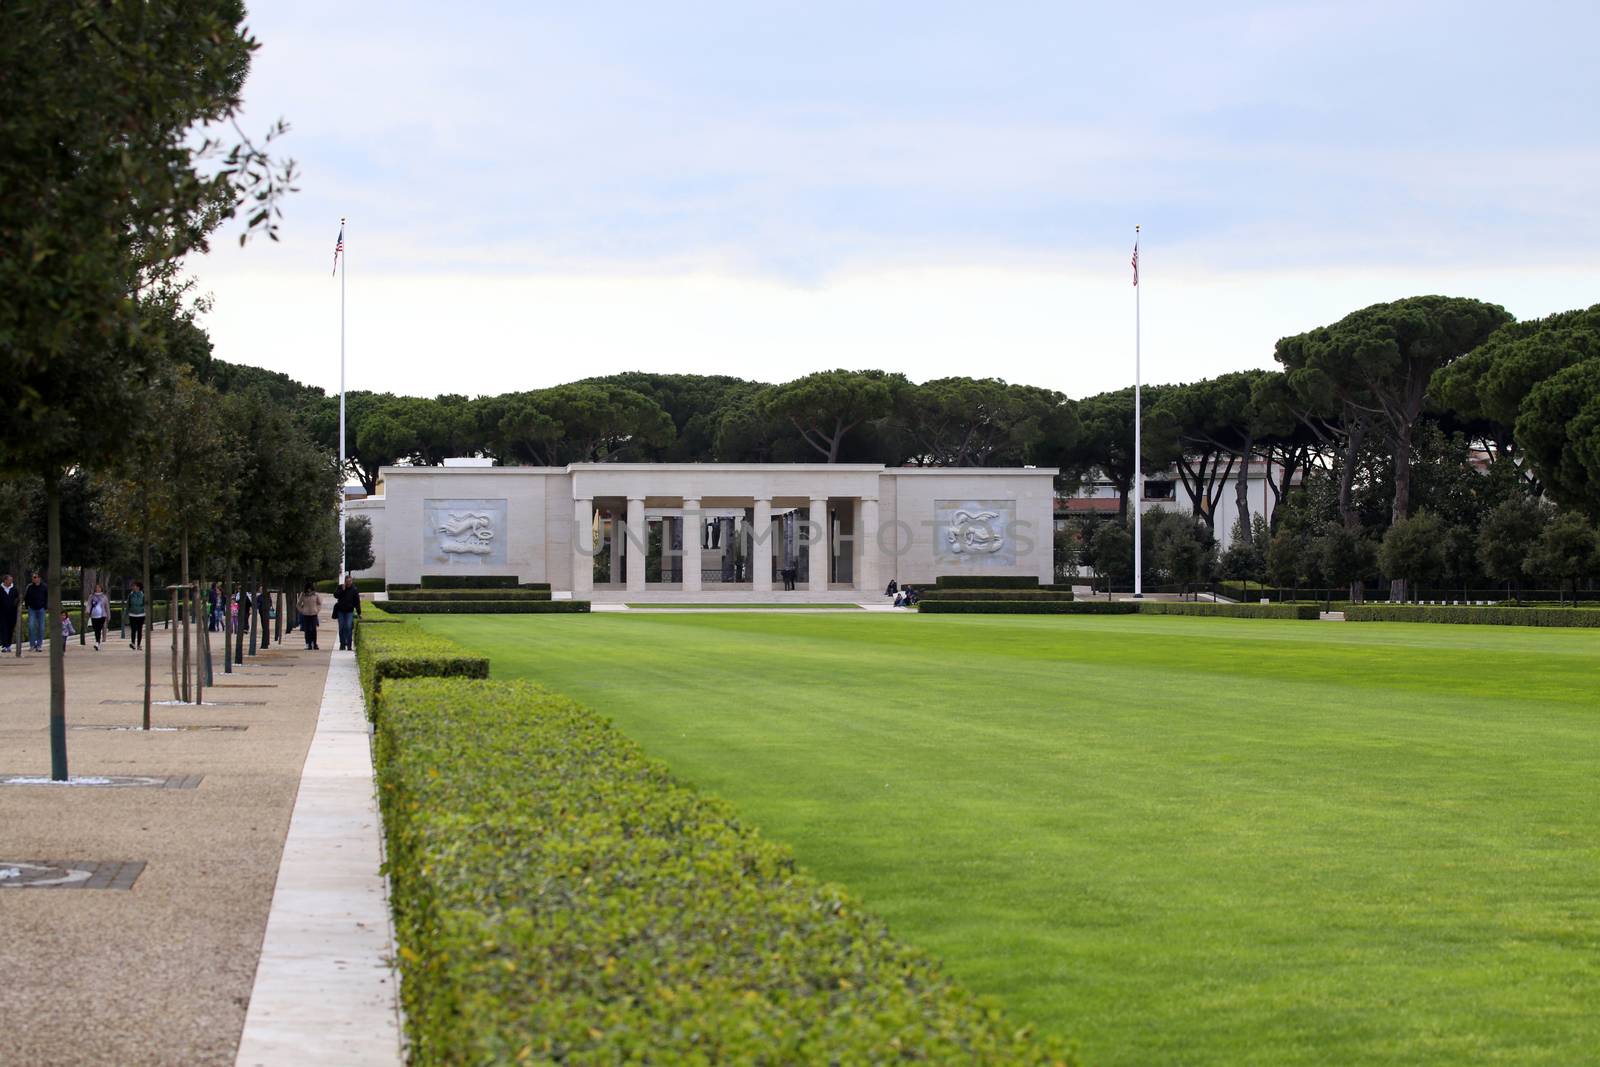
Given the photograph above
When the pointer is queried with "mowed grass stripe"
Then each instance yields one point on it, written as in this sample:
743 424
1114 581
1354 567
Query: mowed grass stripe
1179 840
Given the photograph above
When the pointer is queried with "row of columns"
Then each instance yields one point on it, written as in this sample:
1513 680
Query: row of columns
760 576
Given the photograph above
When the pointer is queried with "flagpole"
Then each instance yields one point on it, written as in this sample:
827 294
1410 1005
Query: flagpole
342 475
1138 465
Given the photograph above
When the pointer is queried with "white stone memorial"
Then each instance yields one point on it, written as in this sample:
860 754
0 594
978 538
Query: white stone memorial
713 531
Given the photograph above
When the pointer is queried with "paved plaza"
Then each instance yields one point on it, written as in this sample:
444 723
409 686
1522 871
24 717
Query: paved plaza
175 847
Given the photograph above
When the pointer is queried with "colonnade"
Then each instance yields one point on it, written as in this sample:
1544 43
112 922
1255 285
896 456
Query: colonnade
862 541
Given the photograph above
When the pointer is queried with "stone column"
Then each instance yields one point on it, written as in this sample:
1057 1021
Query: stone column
692 525
821 545
582 546
613 528
867 531
666 546
638 538
761 547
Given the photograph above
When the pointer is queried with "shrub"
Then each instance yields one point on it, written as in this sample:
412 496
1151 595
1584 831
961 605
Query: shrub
1028 607
487 607
1233 611
477 581
415 595
1498 615
395 649
364 585
996 594
559 898
985 581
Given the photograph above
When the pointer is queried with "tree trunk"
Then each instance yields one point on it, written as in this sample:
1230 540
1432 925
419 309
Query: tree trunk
52 622
1241 493
241 624
200 643
18 579
186 598
172 617
149 610
227 620
1402 496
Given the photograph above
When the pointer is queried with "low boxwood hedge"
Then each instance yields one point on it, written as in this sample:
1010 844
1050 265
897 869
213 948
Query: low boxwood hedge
396 649
558 898
363 585
487 607
1027 607
1498 615
985 581
477 581
415 595
995 594
1233 611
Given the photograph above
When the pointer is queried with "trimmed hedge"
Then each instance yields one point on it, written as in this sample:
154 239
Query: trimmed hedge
995 594
487 607
1487 616
363 585
394 649
1233 611
477 581
416 595
559 898
1027 607
985 581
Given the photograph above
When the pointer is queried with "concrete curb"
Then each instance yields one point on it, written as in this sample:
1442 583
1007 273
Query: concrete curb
326 991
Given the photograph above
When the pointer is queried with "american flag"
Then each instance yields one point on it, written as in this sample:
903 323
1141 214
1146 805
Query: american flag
338 248
1135 260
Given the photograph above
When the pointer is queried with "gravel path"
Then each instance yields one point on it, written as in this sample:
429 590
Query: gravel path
160 973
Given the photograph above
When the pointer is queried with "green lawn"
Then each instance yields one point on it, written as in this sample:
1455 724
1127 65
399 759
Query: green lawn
1178 840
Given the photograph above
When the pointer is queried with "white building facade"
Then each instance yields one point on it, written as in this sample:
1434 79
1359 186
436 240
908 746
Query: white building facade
1166 492
665 531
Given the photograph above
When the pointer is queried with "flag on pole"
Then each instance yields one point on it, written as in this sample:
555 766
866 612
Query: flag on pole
1135 259
338 248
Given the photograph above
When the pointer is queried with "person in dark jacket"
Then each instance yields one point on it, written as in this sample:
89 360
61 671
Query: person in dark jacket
346 608
36 598
8 612
136 608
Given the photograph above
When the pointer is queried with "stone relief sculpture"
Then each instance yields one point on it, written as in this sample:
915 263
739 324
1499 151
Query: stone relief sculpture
981 534
974 532
467 534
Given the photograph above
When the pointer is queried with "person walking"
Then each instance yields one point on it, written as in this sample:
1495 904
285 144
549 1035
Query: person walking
8 612
136 613
310 605
214 602
99 614
346 608
36 598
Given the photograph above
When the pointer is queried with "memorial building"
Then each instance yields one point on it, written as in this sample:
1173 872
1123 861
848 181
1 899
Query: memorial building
711 531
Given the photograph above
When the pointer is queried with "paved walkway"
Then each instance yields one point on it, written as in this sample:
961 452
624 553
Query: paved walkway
325 991
162 972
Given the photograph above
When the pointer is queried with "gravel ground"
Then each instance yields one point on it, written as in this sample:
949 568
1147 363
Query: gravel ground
161 973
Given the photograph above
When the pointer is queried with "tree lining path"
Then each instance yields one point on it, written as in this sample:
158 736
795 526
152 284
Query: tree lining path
161 972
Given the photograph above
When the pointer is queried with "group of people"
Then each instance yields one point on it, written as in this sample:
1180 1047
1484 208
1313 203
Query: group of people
346 609
35 600
904 596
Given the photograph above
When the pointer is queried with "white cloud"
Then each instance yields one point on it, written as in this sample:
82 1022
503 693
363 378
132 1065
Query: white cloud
427 334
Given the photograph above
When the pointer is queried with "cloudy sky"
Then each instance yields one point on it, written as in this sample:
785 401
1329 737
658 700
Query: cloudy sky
539 192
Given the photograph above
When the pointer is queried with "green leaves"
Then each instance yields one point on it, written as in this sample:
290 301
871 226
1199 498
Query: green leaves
559 898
